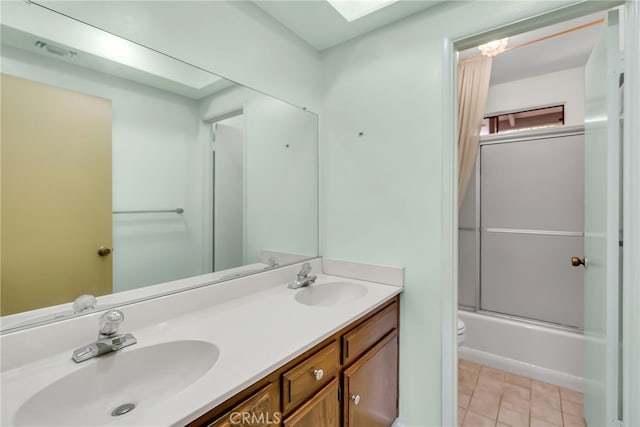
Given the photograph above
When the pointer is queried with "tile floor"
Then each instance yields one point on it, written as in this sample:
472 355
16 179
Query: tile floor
490 397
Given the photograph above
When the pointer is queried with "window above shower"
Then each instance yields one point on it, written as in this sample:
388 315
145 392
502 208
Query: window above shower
524 120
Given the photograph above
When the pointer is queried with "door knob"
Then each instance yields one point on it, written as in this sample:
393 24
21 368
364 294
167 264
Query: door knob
575 261
104 251
355 398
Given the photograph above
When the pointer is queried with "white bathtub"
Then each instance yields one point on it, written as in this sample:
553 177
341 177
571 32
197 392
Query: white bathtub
544 353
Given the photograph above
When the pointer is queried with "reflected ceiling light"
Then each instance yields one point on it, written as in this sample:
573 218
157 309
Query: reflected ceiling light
494 47
355 9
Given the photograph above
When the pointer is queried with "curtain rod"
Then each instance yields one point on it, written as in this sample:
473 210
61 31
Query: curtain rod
560 33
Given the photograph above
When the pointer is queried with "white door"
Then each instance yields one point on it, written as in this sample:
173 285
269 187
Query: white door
602 200
228 197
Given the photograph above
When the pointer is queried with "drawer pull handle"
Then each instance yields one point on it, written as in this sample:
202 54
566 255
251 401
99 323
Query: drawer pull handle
355 398
318 373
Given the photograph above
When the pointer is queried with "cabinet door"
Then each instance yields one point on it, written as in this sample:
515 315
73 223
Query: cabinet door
371 386
323 410
260 410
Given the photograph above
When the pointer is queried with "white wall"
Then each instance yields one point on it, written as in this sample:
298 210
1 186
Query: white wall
382 192
154 138
234 39
566 86
281 172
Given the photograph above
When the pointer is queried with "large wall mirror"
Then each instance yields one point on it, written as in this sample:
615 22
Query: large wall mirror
124 168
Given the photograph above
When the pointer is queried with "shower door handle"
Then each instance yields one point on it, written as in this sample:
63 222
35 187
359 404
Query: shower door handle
576 262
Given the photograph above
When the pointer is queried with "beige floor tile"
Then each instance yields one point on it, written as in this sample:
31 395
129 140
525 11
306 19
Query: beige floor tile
461 414
517 380
535 422
476 420
489 383
549 415
572 395
572 408
521 392
463 400
485 402
466 381
513 418
545 387
541 399
573 421
503 425
469 365
515 403
496 374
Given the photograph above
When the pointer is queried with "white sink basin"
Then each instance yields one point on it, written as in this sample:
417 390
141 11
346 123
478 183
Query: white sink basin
333 293
142 377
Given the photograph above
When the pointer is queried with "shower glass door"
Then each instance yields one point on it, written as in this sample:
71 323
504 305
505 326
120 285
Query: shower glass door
532 223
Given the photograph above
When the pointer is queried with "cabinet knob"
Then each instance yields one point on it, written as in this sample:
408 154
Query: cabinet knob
355 398
318 373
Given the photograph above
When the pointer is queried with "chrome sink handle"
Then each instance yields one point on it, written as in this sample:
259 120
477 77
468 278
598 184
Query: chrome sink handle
110 322
303 279
108 338
304 270
84 303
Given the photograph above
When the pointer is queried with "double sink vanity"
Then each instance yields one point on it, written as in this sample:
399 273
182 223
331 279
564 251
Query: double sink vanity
250 351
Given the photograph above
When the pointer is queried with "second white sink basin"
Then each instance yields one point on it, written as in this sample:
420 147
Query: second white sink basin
139 377
333 293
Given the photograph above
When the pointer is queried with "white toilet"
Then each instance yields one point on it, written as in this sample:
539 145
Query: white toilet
461 332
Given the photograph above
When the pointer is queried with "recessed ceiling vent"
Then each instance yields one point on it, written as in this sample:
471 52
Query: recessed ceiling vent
56 50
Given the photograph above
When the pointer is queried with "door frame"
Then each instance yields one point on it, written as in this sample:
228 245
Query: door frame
631 197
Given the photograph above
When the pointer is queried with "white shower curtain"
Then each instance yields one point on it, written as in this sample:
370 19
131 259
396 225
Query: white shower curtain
473 87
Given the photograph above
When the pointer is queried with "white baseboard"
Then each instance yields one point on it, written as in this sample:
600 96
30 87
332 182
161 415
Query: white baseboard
521 368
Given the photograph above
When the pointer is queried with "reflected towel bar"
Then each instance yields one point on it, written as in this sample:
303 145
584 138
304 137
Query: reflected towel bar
177 210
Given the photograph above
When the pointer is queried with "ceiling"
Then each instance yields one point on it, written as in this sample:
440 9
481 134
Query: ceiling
563 52
320 25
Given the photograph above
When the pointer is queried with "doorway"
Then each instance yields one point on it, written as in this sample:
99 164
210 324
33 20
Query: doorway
226 191
502 235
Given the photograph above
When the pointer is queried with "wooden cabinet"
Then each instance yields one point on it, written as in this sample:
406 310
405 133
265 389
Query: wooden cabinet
371 386
260 410
362 338
322 410
301 382
350 379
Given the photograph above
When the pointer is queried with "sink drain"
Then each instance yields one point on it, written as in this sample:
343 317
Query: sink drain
123 409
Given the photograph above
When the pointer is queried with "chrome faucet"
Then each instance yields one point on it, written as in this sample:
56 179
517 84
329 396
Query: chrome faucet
108 338
303 277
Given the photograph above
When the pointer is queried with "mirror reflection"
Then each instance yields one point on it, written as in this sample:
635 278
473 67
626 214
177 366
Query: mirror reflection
124 168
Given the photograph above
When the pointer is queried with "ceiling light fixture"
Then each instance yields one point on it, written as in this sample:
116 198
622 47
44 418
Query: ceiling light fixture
356 9
495 47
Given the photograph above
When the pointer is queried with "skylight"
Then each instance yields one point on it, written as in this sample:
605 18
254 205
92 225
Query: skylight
356 9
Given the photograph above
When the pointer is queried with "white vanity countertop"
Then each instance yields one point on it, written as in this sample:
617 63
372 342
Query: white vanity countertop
255 333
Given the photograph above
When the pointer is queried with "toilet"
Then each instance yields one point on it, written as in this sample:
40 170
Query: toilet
461 332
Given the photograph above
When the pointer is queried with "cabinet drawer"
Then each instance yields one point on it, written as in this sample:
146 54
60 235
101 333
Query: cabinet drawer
362 338
309 376
260 410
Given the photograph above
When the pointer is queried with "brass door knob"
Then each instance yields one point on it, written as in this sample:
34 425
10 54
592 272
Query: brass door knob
576 262
104 251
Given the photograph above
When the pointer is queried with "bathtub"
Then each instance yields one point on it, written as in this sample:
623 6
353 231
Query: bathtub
545 353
